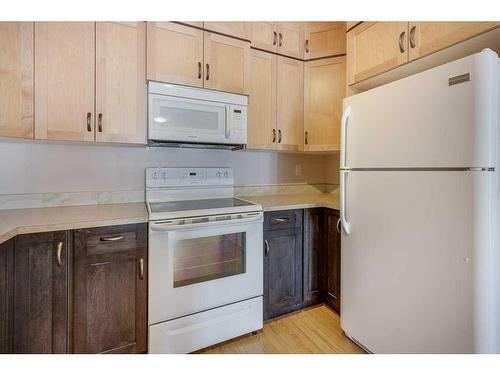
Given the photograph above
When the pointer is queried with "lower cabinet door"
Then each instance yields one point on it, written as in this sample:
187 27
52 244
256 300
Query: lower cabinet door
282 271
40 301
110 290
332 272
6 295
313 255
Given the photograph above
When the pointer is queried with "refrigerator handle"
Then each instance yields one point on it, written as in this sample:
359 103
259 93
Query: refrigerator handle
343 219
343 131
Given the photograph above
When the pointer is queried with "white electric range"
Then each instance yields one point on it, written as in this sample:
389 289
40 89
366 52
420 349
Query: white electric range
205 259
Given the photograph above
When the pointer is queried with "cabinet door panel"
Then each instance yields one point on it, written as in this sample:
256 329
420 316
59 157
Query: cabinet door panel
264 35
64 76
16 79
40 293
282 272
429 37
110 290
313 255
290 103
324 39
291 39
262 101
226 63
332 290
374 48
121 82
324 90
185 66
6 296
237 29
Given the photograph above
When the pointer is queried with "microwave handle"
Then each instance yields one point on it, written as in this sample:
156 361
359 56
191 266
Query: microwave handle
227 129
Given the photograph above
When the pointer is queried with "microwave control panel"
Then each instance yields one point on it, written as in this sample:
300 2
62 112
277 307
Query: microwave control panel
238 124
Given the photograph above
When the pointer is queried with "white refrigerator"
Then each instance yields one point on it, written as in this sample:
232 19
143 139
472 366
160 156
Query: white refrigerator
419 211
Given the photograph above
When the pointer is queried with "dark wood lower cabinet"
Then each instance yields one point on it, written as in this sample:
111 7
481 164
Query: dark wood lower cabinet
6 296
314 245
331 290
40 294
110 290
283 268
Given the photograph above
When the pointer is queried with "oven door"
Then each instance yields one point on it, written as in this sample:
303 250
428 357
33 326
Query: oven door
201 263
178 119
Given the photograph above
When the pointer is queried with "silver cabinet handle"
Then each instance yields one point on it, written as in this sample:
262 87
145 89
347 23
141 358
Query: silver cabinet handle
110 239
59 248
279 135
199 69
99 122
282 219
345 225
89 117
307 133
401 42
141 268
343 136
281 39
413 44
275 38
208 71
307 45
274 135
266 244
338 225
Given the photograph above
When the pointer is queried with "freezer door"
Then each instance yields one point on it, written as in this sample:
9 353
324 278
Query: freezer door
416 267
443 117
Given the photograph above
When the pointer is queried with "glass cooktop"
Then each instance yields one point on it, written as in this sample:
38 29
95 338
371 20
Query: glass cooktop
197 204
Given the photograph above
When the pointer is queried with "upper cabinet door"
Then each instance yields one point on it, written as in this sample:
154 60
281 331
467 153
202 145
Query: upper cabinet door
324 39
121 82
236 29
429 37
324 88
375 47
175 53
264 35
64 76
226 63
290 103
291 39
262 101
16 79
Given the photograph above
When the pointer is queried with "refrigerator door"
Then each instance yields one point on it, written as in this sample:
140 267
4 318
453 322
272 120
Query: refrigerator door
417 270
443 117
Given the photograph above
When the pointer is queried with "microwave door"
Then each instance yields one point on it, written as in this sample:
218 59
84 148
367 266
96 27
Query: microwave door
187 120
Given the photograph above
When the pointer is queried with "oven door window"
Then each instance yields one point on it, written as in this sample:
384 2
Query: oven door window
203 259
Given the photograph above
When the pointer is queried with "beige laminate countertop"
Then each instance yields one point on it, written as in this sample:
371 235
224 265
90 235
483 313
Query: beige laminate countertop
33 220
295 201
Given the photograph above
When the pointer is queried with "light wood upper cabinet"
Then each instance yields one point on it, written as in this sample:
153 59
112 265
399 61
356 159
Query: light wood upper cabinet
324 88
64 76
226 63
262 101
236 29
121 82
429 37
264 35
291 39
375 47
174 53
290 103
16 79
324 39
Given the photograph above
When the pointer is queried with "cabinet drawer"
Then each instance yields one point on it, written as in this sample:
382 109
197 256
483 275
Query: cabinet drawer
283 219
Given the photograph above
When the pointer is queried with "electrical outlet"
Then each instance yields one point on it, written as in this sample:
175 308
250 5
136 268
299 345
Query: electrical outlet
298 169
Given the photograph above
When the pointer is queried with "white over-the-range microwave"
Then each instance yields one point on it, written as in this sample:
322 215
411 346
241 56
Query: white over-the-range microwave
195 117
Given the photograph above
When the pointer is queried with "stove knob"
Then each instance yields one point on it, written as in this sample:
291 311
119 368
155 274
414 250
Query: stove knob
218 174
226 174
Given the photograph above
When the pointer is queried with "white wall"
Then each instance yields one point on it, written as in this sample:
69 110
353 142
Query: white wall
33 167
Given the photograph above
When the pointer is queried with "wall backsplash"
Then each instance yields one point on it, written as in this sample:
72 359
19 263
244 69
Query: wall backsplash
29 167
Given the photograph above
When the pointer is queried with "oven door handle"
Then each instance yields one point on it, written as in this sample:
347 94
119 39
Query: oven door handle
178 224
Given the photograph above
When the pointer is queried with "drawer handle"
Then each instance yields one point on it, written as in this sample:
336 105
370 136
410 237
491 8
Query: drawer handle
109 239
59 254
267 248
401 39
412 37
141 268
282 219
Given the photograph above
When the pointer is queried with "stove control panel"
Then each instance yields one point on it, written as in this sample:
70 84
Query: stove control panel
165 177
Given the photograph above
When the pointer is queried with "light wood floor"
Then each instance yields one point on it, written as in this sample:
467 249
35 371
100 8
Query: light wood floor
316 330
